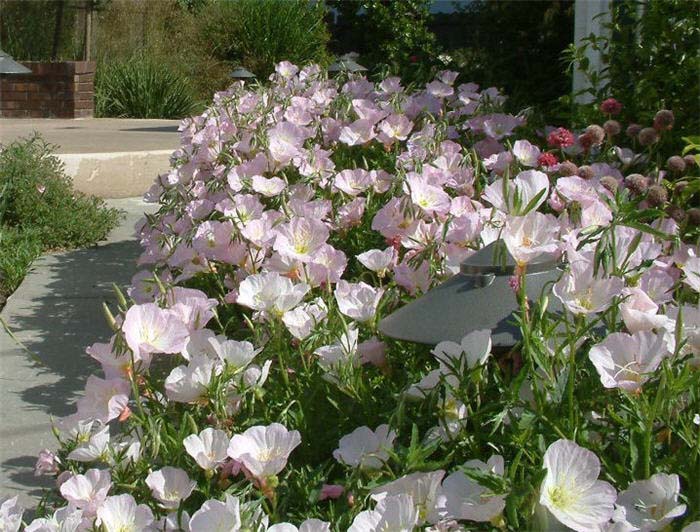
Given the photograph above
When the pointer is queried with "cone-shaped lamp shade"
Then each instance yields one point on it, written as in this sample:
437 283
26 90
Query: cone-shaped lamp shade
479 297
241 73
10 66
346 65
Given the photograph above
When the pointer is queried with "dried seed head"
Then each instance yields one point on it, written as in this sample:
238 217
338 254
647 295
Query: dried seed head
585 172
637 183
690 161
675 164
567 168
612 127
663 120
633 130
596 133
694 216
648 136
676 213
657 196
609 182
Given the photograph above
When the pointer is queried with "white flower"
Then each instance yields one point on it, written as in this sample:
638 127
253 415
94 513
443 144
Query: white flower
526 153
691 269
653 503
217 516
271 292
571 490
209 448
424 489
66 519
95 448
377 260
300 238
527 237
264 450
626 361
87 492
302 320
358 301
187 384
396 514
465 498
365 448
170 486
120 513
472 351
340 354
10 514
309 525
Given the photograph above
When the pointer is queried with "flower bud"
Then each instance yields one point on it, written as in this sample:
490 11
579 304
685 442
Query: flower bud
596 133
676 213
694 216
690 161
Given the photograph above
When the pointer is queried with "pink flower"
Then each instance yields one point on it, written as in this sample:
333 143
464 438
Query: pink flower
526 153
300 238
547 159
170 486
377 260
610 107
394 127
104 400
527 237
413 279
582 292
358 301
192 306
358 132
87 492
372 351
46 464
352 182
519 192
264 450
285 141
639 312
430 198
561 138
148 328
330 491
626 361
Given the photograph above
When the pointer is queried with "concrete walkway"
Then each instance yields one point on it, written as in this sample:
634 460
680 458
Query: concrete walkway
56 312
106 157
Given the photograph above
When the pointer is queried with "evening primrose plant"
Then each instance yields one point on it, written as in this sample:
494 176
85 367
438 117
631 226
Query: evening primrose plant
248 386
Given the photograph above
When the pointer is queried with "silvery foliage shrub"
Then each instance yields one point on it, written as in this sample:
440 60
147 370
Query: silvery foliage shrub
247 385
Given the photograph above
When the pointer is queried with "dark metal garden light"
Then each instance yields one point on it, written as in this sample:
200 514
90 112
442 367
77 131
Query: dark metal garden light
346 65
10 66
480 296
242 74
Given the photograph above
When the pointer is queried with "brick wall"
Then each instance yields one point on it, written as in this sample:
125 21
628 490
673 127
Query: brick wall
52 90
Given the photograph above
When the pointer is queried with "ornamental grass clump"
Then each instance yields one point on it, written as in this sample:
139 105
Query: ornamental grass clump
247 384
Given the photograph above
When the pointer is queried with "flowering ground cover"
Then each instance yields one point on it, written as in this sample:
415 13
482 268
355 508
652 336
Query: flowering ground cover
248 387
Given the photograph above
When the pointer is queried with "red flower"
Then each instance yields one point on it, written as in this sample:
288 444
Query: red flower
547 159
561 138
611 107
413 59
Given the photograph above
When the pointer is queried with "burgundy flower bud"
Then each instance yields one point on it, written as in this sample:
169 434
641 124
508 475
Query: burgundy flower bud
648 136
637 184
567 168
675 164
689 161
680 187
612 127
633 130
611 107
657 196
663 120
585 172
609 182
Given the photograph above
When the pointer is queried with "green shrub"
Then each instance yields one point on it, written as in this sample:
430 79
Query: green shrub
39 210
261 33
141 88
